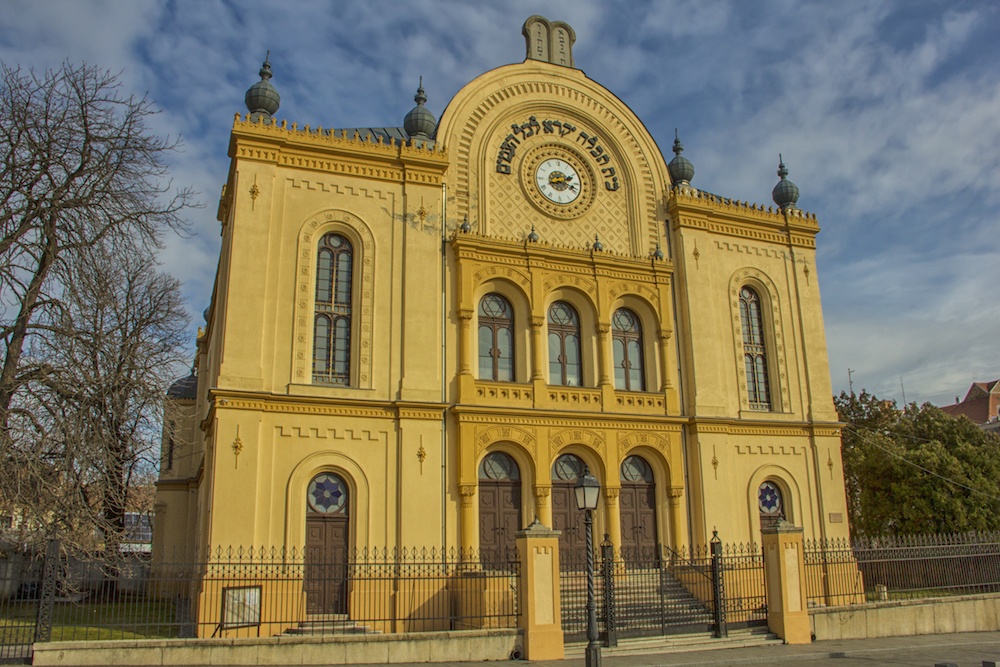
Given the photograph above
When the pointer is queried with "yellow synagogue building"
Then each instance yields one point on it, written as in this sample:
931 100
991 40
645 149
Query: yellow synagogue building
423 335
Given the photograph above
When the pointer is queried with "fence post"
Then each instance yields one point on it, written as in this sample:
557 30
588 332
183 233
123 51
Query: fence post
539 609
718 586
608 572
50 570
785 582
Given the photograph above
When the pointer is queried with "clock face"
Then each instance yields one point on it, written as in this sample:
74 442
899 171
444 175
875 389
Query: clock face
558 181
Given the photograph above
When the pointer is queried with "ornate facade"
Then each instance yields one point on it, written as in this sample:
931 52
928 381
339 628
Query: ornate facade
421 335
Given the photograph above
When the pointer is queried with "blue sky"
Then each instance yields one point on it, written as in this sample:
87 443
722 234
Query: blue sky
887 114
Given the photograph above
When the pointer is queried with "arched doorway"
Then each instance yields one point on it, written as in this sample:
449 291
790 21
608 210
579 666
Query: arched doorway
327 539
637 504
499 508
770 504
565 515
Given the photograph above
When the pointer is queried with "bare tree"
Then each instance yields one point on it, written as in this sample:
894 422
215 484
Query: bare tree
89 329
77 166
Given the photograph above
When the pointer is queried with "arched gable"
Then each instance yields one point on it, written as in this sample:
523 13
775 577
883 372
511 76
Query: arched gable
507 121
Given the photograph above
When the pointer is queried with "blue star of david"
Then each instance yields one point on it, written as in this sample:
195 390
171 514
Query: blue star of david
769 498
327 494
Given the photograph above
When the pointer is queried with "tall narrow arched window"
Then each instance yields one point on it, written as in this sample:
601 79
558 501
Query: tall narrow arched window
626 338
754 350
564 345
496 339
332 323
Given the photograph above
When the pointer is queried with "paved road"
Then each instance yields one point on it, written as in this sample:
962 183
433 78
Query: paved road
966 650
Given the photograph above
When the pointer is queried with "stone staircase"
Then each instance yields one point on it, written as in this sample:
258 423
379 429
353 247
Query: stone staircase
647 602
330 624
683 643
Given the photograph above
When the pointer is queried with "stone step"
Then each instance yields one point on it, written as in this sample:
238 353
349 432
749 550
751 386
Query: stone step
697 641
330 624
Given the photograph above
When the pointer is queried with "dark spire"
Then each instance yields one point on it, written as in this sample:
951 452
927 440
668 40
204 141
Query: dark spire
420 122
785 194
680 168
262 99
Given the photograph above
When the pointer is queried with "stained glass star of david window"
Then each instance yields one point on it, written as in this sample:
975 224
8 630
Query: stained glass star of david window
327 494
769 498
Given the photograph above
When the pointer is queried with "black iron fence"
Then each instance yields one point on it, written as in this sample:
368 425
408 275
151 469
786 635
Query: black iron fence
251 593
839 572
663 591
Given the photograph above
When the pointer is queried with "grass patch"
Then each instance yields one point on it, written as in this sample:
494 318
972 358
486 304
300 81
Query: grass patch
126 619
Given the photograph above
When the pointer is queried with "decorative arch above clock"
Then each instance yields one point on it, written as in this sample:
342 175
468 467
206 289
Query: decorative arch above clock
503 129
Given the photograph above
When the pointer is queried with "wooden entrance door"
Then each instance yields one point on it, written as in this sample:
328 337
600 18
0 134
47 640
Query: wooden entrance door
568 519
499 508
327 540
565 515
637 505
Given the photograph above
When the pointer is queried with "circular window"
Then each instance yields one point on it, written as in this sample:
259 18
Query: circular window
568 468
327 494
769 500
498 466
635 469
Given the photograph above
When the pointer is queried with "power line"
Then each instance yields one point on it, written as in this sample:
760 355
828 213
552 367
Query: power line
918 466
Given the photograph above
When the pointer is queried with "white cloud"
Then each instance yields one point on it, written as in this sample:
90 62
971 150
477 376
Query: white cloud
888 115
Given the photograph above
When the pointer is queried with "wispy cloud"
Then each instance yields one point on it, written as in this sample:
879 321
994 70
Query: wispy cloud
888 115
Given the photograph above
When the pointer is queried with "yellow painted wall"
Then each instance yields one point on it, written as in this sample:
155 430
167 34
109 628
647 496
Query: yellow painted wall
409 432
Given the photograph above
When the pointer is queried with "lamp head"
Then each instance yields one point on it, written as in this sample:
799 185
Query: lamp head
587 490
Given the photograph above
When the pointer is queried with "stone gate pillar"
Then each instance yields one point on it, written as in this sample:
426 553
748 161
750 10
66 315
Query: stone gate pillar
538 592
785 577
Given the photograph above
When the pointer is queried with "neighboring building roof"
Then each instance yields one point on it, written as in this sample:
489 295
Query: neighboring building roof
981 404
185 388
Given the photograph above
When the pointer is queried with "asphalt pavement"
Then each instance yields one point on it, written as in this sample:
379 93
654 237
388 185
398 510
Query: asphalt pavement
969 649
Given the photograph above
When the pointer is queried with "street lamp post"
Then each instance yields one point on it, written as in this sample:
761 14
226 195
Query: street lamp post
587 490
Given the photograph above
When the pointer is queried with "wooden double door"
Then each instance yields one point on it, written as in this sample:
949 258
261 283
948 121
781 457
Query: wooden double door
327 544
326 564
499 519
637 504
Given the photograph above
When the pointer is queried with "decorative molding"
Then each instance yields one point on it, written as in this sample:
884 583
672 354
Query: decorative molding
468 493
575 436
491 434
338 189
633 439
486 273
346 434
748 249
771 450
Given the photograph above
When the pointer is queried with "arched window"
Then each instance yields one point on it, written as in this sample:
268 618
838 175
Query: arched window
496 339
754 351
626 337
564 345
332 324
770 503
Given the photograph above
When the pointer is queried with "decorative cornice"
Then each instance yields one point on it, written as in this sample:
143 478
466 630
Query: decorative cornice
783 429
695 209
312 405
532 417
325 150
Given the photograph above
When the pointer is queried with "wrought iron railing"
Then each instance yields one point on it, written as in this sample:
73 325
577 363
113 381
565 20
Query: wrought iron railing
840 572
248 592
